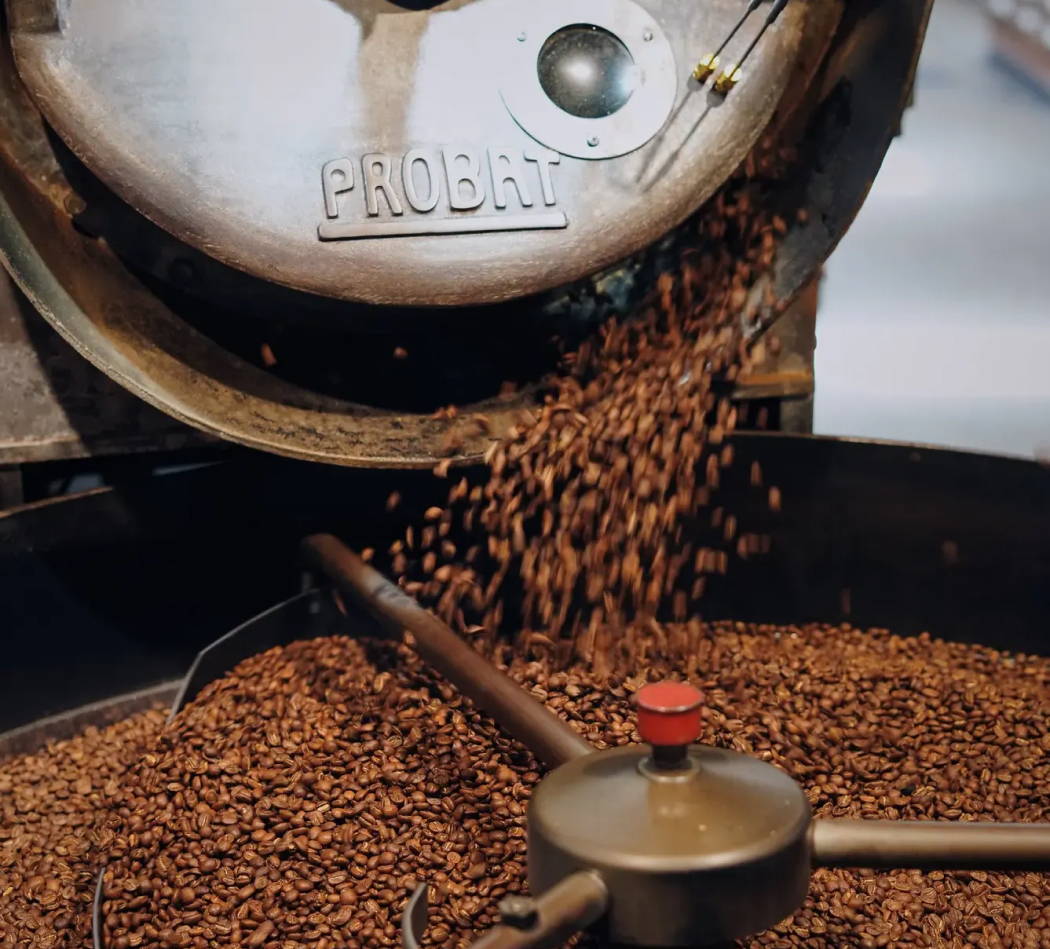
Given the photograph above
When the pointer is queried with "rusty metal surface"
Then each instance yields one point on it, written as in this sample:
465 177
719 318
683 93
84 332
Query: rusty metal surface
783 361
224 136
54 404
854 109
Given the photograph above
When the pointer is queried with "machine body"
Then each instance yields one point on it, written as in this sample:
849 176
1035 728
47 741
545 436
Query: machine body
223 219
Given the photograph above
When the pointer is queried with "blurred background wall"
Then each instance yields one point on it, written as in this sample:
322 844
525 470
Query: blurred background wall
934 321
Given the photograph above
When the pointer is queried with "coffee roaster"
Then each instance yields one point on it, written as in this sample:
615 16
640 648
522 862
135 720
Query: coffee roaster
111 593
306 229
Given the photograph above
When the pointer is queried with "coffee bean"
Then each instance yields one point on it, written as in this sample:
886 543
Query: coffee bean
55 809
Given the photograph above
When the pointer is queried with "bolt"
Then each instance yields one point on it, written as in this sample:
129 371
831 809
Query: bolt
593 141
518 911
647 35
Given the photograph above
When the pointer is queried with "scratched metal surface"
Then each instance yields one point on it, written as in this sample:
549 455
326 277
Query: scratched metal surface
93 275
55 405
216 121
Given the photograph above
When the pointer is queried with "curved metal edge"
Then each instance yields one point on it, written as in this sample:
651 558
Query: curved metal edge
307 615
325 441
745 436
193 380
414 917
96 911
26 739
228 247
109 317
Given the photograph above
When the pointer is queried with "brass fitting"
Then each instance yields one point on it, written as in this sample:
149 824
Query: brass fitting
728 78
703 69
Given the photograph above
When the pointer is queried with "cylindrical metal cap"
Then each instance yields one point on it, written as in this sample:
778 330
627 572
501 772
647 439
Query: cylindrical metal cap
701 855
669 713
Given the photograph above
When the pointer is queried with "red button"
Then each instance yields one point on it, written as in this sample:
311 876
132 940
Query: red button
669 713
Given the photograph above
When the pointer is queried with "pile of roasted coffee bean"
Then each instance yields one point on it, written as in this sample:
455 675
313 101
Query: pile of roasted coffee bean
53 805
298 801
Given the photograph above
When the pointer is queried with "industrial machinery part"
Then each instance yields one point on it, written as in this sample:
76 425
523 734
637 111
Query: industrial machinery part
572 904
343 179
693 845
708 851
673 844
922 538
298 150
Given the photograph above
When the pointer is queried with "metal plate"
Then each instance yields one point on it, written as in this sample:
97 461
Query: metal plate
217 121
610 136
109 316
56 405
309 615
844 120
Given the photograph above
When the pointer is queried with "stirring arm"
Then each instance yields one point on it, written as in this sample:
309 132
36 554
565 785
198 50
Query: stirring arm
546 735
930 845
567 907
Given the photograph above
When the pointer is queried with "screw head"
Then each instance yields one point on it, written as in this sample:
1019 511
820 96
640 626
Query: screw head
593 141
522 36
647 35
74 204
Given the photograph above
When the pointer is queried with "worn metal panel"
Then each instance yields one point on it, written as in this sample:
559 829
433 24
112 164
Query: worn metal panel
54 404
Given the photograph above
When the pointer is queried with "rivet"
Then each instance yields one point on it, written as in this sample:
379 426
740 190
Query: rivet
647 35
593 140
522 36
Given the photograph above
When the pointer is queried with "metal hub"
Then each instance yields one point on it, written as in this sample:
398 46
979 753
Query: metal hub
696 845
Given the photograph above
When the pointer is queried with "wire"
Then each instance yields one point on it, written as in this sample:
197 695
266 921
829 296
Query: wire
778 6
731 76
709 63
751 8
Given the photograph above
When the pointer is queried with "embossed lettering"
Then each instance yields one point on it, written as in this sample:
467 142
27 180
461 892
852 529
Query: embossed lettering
425 190
544 158
377 167
505 167
457 177
408 179
337 177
